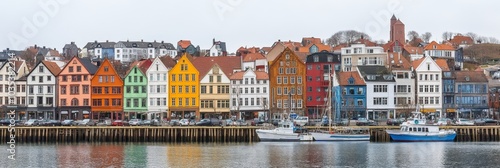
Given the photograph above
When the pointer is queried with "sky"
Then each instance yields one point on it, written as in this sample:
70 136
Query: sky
259 23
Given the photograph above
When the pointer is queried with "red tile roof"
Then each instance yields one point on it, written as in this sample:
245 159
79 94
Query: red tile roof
414 50
168 61
435 46
252 57
460 39
266 49
398 61
260 75
443 64
344 78
53 67
184 43
474 76
416 63
226 64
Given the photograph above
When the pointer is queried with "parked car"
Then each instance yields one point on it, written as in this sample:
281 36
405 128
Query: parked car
87 122
146 122
444 121
54 123
192 122
275 122
104 123
135 122
362 122
117 123
155 122
301 120
341 122
464 122
479 122
490 121
204 122
240 123
5 121
174 122
394 121
257 121
32 122
184 122
68 123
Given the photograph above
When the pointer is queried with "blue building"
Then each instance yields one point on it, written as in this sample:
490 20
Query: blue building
471 95
350 95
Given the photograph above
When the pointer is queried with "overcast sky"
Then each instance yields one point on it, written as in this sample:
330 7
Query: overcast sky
237 22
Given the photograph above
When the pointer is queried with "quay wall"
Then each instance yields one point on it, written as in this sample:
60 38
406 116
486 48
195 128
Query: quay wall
198 134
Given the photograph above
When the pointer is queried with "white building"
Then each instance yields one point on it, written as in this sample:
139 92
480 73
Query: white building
255 61
129 51
404 92
250 92
362 55
429 84
42 93
434 49
157 75
379 91
13 70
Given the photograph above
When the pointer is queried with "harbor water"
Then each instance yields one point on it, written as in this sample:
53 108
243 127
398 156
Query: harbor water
259 154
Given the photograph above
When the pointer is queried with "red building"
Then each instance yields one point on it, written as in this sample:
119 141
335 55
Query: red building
397 30
319 67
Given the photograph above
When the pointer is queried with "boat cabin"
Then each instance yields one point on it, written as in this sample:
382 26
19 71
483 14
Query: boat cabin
419 128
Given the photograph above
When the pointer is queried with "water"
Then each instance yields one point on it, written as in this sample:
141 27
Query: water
261 154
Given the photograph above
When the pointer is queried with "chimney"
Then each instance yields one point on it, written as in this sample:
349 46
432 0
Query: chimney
141 40
155 41
162 41
43 47
95 41
72 42
36 46
107 41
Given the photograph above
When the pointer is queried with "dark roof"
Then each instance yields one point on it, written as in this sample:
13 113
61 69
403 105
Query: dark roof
323 57
376 74
168 61
92 45
4 54
87 63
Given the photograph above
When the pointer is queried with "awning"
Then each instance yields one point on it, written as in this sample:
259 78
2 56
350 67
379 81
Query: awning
85 112
428 110
74 111
64 112
451 110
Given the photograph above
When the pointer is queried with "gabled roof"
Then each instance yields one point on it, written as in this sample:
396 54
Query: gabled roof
414 50
417 62
87 64
142 65
184 43
397 61
259 75
168 61
367 42
53 67
435 46
250 57
472 76
226 64
460 39
443 64
378 72
344 78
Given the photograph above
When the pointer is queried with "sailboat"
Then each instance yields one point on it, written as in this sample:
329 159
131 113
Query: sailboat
334 133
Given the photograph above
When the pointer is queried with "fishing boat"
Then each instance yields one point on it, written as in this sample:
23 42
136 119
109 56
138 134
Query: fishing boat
338 134
286 131
421 133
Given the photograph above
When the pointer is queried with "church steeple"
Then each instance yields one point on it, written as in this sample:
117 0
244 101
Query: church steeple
393 17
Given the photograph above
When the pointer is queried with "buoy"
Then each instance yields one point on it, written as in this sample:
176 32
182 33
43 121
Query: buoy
416 121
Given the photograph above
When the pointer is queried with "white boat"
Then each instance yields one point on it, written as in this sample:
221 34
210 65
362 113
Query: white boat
421 133
339 134
286 131
346 134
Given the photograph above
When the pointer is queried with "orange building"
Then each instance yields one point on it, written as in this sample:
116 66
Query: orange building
107 93
287 73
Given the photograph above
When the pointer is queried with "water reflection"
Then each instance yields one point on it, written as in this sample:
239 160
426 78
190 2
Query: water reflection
263 154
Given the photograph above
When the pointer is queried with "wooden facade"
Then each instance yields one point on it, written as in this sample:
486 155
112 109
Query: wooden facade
107 93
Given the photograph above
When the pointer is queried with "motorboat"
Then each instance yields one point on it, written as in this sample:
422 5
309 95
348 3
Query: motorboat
286 131
421 133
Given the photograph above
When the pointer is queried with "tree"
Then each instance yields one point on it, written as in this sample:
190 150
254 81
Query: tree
426 36
447 36
346 36
473 36
493 40
413 35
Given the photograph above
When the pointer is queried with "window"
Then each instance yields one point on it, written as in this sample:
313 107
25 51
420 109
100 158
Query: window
380 101
299 80
278 79
173 78
203 89
70 69
380 88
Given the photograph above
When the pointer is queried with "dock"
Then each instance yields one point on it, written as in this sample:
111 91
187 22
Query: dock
199 134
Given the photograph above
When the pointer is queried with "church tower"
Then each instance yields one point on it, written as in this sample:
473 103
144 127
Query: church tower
397 30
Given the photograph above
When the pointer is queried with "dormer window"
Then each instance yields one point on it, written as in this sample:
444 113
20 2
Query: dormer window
150 45
434 47
316 59
134 45
387 77
371 77
350 81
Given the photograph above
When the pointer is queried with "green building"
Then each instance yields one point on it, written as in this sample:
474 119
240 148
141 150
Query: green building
135 90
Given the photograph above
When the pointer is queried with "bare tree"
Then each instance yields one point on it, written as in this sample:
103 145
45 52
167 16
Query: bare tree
346 36
493 40
473 36
426 36
447 36
413 35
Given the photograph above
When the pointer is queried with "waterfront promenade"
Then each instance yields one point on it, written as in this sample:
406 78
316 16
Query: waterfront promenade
199 134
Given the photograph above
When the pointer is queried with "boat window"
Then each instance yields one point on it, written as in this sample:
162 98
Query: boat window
411 129
426 129
419 129
402 128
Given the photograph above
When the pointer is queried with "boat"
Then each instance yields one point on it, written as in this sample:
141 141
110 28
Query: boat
339 134
286 131
421 133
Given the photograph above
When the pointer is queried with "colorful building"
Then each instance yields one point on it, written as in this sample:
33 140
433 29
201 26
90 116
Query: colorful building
250 94
107 94
286 76
320 69
184 84
350 98
135 93
214 84
74 89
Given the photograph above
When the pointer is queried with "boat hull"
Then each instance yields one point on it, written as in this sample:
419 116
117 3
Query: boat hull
270 135
421 137
319 136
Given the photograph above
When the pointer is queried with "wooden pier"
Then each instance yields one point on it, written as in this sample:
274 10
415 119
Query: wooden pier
199 134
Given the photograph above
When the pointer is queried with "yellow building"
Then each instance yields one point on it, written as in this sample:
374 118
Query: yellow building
183 93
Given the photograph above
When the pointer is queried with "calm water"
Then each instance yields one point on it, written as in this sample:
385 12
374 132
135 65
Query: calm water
261 154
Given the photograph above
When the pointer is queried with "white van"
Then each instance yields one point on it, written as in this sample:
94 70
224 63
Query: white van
301 120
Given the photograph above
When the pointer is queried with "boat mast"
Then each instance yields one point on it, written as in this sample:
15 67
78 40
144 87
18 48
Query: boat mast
329 99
